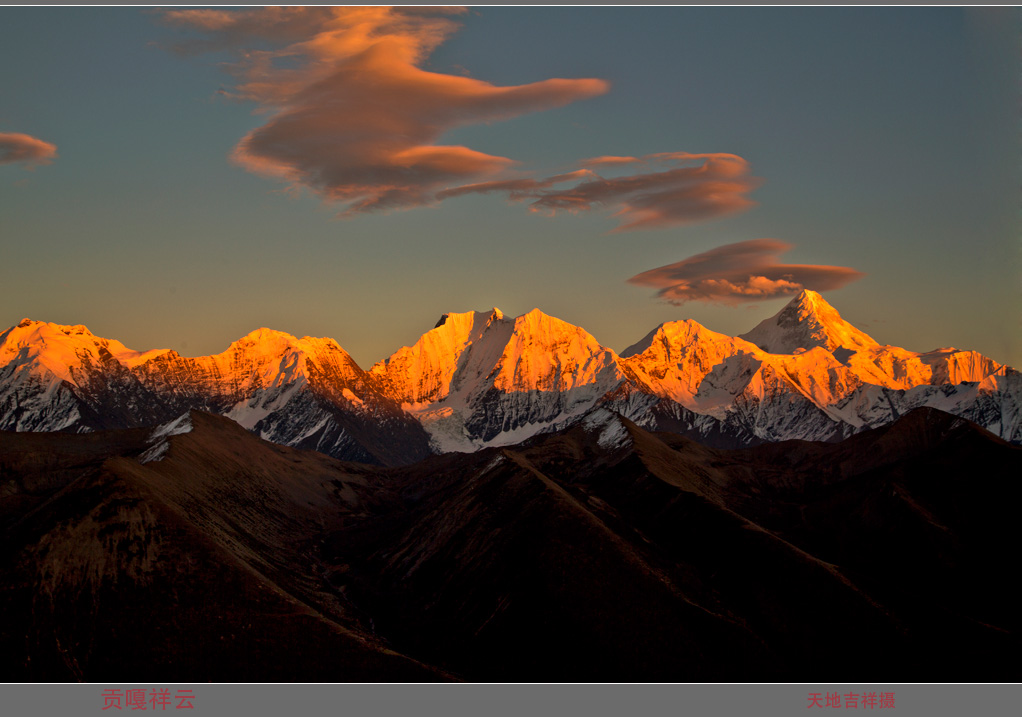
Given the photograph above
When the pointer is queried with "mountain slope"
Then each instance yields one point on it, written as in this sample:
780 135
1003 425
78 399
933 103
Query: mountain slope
807 373
193 566
601 552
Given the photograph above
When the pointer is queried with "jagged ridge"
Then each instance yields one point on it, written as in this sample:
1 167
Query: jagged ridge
480 378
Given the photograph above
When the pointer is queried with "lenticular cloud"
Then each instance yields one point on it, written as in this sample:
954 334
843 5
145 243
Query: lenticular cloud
745 271
354 118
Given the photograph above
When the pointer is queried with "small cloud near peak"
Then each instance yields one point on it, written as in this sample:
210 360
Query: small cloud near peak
741 272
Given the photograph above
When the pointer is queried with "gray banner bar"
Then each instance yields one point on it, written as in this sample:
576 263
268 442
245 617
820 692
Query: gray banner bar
512 700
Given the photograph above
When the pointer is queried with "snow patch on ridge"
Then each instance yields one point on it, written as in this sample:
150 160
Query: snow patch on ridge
312 431
249 412
159 442
613 432
497 460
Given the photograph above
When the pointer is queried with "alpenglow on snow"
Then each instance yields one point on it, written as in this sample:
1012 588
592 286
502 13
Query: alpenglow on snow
481 379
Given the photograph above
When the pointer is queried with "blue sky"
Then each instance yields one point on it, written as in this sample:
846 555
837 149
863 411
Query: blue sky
885 141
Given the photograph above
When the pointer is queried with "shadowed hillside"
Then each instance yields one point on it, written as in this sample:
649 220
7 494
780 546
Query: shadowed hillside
600 553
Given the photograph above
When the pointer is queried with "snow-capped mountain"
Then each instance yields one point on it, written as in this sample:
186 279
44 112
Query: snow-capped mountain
751 395
304 392
480 379
806 322
64 378
807 373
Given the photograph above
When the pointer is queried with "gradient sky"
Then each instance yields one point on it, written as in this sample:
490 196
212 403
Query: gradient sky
876 149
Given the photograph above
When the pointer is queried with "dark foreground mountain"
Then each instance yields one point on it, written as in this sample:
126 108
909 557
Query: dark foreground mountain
602 552
197 565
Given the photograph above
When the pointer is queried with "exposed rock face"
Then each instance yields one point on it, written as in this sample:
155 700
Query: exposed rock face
305 392
806 373
481 379
64 378
301 392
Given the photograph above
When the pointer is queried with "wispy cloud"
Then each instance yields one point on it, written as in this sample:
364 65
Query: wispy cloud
704 186
25 149
516 189
354 118
745 271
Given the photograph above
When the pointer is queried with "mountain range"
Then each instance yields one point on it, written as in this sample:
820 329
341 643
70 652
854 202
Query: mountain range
480 379
601 552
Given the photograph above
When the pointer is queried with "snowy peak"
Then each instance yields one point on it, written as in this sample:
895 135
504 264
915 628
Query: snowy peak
31 325
469 353
545 353
466 342
479 378
271 345
261 360
472 316
307 392
673 360
61 351
949 365
674 335
264 337
806 322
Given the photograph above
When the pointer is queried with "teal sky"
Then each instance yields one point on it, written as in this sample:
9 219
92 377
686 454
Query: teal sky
886 141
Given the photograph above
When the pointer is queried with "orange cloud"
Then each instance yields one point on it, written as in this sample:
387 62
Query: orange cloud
353 117
715 186
745 271
17 147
